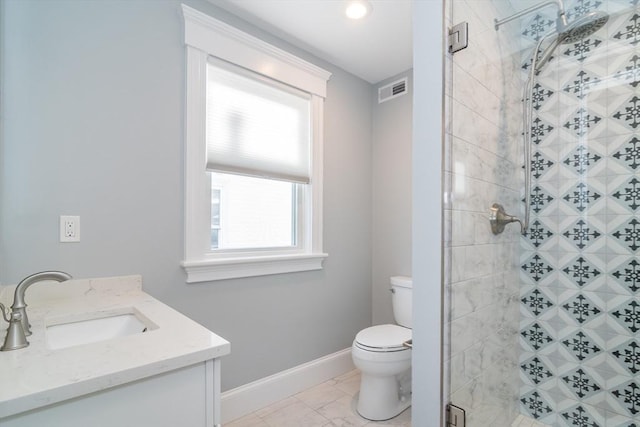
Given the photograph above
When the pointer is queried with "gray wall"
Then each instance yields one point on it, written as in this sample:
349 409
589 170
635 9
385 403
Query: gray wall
93 126
391 234
428 57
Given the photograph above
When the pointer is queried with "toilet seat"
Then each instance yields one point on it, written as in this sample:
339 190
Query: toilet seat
383 338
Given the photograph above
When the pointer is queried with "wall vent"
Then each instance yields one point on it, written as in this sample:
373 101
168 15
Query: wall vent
392 90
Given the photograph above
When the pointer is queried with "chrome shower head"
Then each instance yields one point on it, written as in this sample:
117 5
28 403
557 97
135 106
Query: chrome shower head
571 32
582 27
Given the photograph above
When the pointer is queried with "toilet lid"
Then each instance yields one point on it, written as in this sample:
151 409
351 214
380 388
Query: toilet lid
384 337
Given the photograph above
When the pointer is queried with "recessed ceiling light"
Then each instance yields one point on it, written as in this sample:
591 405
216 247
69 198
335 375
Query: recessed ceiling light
358 9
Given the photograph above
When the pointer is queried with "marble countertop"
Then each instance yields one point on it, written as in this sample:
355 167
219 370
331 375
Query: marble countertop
37 376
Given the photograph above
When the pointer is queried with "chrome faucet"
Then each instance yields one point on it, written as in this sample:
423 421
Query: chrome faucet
19 327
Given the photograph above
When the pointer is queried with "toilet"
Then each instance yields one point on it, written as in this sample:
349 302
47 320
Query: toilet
382 353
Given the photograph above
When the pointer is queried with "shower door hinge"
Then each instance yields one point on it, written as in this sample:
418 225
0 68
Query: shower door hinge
455 416
458 37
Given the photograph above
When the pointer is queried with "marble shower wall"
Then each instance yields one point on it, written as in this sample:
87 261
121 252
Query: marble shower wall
580 306
482 167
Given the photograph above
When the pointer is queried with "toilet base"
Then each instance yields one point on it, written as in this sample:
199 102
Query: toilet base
383 397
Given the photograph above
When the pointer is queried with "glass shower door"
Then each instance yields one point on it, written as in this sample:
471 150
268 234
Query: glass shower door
543 327
482 167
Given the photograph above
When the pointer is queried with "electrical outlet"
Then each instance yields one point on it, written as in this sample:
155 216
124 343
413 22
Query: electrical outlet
69 228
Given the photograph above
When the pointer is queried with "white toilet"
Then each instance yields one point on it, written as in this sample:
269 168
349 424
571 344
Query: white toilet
384 359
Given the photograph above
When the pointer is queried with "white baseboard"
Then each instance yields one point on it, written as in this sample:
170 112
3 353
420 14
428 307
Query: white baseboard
250 397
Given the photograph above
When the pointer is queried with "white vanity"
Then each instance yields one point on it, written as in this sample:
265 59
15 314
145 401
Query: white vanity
103 353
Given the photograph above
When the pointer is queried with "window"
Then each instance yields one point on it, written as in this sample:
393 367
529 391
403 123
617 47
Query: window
253 170
256 213
258 139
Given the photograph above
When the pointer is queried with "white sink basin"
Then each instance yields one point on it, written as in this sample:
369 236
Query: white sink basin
78 332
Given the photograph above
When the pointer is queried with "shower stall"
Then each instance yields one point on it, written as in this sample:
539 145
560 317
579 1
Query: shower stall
542 320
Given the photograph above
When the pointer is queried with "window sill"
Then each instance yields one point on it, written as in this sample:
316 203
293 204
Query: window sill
233 268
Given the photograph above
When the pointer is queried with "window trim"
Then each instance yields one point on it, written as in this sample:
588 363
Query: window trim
206 36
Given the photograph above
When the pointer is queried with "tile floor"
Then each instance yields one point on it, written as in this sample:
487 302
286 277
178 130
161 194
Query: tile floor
330 404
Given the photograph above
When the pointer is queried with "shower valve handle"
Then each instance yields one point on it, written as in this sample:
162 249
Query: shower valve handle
498 219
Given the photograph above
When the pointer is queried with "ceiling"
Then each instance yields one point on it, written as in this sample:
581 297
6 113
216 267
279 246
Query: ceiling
374 48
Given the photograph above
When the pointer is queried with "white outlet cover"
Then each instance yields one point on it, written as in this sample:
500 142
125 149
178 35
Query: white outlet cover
69 228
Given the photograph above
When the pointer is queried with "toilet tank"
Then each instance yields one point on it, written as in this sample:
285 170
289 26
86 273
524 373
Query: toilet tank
401 297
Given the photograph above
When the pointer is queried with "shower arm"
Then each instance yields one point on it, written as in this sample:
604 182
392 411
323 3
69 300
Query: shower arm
527 11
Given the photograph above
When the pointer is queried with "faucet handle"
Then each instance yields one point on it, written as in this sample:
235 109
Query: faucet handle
4 311
499 219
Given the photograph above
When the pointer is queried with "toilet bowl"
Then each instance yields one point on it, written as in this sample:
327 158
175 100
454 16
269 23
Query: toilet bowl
383 357
385 387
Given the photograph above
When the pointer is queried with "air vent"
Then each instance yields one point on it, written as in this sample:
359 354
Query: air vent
392 90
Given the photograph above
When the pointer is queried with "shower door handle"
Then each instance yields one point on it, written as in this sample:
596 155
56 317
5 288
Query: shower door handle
498 219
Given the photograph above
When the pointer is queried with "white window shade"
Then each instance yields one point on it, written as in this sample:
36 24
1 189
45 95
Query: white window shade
256 128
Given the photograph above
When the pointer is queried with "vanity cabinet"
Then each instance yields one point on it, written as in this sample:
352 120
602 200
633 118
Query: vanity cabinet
165 376
188 396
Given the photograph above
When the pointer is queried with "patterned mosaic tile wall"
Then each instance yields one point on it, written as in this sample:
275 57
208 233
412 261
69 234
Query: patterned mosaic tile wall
580 297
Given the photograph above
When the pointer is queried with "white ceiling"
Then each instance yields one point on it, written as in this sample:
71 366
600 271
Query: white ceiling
375 48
